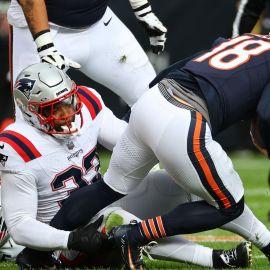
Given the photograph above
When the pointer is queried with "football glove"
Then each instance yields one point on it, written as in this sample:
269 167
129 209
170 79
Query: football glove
88 239
153 26
49 54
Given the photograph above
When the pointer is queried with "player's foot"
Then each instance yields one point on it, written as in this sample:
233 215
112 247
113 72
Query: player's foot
131 251
266 251
34 259
241 256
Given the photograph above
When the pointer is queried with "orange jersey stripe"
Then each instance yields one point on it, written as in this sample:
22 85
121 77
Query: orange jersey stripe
206 170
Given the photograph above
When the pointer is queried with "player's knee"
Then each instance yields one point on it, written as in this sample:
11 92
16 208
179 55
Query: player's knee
235 210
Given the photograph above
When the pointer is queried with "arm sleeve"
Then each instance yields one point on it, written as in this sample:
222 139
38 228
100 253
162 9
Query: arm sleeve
20 200
247 15
111 129
263 117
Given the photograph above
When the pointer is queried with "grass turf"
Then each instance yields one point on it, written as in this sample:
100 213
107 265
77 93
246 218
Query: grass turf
253 170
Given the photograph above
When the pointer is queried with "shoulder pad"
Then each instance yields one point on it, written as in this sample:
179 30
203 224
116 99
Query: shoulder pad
24 148
91 99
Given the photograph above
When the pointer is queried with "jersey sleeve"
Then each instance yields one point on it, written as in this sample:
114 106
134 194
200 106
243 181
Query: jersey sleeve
263 117
19 200
247 15
10 160
111 129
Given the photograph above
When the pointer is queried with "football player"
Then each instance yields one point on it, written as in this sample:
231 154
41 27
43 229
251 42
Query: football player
51 153
174 123
248 13
86 34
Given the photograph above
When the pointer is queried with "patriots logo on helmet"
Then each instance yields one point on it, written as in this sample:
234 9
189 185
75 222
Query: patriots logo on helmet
25 85
3 159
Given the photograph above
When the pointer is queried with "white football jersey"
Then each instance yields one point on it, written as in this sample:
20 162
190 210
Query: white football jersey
50 168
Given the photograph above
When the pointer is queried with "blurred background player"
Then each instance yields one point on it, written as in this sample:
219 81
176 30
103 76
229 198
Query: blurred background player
248 14
86 35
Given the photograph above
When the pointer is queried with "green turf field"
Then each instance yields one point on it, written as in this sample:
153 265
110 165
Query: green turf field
253 169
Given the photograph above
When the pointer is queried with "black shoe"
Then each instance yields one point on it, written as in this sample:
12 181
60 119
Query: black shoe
34 259
241 256
131 251
266 251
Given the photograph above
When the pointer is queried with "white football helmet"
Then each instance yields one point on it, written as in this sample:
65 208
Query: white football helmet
39 90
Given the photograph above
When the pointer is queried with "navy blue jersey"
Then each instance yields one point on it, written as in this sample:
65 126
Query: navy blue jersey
75 13
231 77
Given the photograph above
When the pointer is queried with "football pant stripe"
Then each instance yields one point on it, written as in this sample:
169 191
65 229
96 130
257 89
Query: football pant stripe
203 163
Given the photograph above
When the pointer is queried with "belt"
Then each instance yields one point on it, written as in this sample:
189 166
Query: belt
175 100
182 101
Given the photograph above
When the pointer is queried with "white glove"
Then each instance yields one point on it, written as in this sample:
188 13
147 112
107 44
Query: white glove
153 26
49 54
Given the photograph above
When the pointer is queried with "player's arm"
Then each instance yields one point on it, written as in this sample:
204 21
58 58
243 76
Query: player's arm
111 129
153 26
260 126
247 15
35 13
20 200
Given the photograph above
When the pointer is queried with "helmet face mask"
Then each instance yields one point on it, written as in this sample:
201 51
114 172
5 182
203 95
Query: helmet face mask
47 113
49 100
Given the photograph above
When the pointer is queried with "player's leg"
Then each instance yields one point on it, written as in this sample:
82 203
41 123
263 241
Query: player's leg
110 55
182 142
252 229
156 195
23 53
8 248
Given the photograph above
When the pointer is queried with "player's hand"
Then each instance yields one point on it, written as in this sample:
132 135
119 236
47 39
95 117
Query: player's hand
49 54
88 239
154 28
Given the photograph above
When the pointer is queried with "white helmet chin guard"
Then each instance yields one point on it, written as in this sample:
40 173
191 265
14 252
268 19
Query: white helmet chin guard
39 90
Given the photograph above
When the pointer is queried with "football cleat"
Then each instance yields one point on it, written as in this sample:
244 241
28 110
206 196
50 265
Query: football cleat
131 251
266 251
29 259
241 256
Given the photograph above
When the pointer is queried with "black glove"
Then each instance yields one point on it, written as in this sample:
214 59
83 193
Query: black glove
153 26
88 239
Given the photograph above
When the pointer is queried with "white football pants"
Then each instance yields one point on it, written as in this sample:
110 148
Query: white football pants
108 54
181 140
